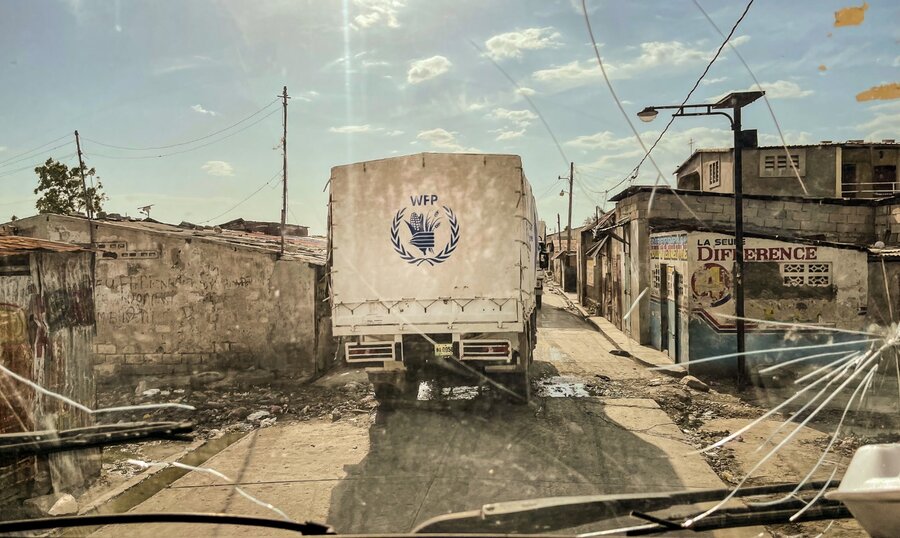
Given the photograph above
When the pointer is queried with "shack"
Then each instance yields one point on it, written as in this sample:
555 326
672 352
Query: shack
795 292
47 328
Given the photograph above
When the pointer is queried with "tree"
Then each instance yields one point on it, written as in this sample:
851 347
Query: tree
62 191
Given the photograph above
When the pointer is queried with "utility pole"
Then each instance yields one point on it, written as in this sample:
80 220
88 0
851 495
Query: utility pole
284 194
558 233
569 230
569 233
87 199
739 246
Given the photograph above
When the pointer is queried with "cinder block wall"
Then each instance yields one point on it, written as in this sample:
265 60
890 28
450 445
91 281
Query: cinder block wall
843 222
170 305
887 223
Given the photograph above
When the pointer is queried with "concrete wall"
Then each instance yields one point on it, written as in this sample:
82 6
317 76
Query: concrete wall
188 304
46 332
865 159
816 168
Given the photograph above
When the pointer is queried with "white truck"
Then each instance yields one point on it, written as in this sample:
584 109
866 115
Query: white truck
434 270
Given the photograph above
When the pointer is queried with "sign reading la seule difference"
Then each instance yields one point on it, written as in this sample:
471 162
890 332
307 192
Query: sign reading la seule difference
722 249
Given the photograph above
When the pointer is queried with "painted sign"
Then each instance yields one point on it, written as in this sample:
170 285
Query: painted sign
722 250
711 285
668 247
417 242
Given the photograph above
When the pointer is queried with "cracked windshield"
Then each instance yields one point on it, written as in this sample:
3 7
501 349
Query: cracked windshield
557 267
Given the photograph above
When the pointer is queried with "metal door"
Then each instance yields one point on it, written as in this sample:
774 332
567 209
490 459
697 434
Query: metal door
674 315
664 306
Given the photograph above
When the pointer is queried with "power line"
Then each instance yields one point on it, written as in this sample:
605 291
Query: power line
210 135
531 104
33 150
235 206
229 135
32 166
7 163
693 89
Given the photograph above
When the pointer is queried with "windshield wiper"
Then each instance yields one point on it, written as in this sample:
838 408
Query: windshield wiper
25 525
16 445
553 513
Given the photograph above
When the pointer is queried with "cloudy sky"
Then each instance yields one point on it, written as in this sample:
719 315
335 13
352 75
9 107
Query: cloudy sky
376 78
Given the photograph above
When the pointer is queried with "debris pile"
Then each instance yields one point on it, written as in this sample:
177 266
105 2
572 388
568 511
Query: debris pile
223 407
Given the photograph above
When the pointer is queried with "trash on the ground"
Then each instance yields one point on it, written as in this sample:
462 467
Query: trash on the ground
257 416
55 504
694 383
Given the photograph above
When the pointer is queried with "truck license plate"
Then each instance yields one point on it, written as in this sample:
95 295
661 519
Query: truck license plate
443 350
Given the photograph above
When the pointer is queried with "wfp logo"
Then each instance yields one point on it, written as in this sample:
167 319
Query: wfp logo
423 231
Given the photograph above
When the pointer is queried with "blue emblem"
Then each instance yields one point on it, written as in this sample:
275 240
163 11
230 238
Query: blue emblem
422 225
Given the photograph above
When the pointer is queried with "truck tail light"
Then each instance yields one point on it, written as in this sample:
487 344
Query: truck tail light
485 349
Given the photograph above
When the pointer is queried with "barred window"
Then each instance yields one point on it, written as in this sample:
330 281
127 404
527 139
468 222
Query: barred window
715 178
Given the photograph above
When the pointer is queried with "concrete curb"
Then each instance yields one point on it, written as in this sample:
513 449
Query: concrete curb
198 452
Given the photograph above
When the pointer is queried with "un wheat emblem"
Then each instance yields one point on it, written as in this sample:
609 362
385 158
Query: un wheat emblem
422 227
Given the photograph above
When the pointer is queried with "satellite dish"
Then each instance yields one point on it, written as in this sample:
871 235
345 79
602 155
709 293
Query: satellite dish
146 210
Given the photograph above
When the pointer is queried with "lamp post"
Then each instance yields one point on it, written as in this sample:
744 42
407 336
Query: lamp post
734 101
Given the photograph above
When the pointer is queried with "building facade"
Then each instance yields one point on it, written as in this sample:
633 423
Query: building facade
171 301
868 229
853 169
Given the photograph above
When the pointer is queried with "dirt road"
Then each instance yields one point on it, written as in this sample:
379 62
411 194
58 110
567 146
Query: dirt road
390 470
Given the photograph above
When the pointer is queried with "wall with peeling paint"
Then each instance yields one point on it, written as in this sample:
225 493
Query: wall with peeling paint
784 282
47 328
170 305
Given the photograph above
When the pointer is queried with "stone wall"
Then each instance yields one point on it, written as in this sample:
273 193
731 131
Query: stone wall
170 304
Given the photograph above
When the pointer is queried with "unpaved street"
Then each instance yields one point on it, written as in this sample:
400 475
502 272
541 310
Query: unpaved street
390 470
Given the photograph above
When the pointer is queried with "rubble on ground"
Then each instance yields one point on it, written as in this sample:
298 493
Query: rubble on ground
222 408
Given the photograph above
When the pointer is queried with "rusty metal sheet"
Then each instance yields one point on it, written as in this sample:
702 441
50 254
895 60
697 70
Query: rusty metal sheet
14 244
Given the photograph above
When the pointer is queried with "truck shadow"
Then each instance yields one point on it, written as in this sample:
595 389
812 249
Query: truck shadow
429 460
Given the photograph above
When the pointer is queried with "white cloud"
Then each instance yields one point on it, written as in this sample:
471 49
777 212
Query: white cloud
428 68
218 168
307 96
443 139
780 89
572 74
884 124
509 135
654 55
377 12
511 44
355 129
601 140
201 110
394 133
3 148
739 40
709 81
528 92
521 118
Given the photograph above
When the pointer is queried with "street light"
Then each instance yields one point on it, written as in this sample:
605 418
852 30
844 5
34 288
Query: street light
735 101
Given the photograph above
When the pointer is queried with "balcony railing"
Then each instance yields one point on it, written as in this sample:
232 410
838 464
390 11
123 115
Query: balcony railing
871 189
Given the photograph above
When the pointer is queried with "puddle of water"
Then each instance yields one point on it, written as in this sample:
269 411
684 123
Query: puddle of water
428 392
561 387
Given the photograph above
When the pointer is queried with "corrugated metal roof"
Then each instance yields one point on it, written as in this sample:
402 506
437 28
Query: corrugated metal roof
893 252
309 249
14 244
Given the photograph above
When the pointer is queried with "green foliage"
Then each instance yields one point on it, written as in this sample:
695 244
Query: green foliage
62 192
